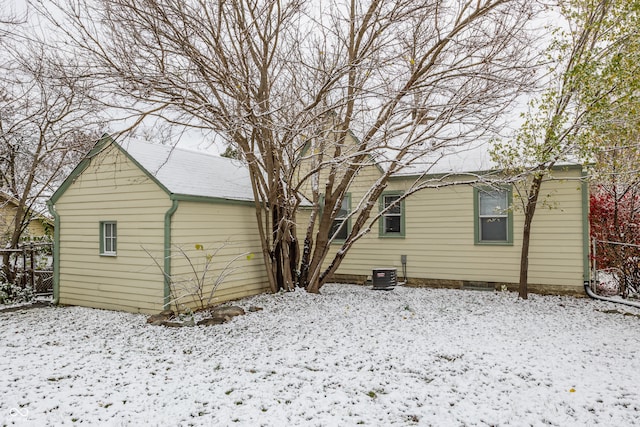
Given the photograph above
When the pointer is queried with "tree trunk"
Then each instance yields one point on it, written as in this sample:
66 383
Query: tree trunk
284 253
303 276
18 228
6 270
529 211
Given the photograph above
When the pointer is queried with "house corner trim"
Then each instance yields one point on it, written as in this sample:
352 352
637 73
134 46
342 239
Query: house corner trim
167 253
56 252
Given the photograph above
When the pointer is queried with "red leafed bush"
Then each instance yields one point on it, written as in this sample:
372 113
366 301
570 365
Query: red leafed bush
615 224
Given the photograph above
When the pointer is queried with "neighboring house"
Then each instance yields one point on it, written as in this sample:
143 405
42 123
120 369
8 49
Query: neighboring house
39 226
125 210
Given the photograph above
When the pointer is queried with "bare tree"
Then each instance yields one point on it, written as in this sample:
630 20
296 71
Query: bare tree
310 93
46 124
9 19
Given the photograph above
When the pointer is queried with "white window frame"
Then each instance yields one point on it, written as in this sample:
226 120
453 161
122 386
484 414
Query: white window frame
399 205
108 238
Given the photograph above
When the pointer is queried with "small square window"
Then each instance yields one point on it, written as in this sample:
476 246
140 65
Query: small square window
108 238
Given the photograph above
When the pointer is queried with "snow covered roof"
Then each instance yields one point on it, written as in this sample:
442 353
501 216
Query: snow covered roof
474 158
191 173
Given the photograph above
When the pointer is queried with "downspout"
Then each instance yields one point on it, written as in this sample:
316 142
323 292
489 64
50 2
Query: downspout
167 253
586 247
56 252
586 270
593 295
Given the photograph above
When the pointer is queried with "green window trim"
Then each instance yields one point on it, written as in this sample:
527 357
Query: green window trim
477 218
108 238
382 233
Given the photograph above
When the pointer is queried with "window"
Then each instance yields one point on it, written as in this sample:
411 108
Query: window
341 222
494 222
108 237
392 220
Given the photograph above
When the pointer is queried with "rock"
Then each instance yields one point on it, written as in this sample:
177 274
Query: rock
172 324
156 322
230 311
212 321
253 309
156 319
221 315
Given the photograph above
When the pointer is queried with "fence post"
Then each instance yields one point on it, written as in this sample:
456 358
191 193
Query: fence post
23 279
33 267
594 282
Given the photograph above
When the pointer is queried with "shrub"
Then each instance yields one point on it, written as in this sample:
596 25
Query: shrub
13 294
615 226
197 287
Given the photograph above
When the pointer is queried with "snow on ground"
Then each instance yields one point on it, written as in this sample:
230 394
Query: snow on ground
347 357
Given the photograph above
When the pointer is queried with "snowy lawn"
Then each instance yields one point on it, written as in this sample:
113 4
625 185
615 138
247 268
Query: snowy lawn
349 356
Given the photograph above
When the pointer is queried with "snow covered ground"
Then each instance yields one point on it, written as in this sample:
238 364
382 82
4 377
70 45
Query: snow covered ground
347 357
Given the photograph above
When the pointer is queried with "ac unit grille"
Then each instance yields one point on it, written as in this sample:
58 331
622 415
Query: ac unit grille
384 278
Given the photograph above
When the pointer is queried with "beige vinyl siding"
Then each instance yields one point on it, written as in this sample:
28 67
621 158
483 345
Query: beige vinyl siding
556 253
112 188
229 226
7 217
439 238
35 229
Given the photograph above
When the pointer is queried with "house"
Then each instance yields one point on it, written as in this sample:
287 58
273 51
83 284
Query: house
465 236
131 215
39 225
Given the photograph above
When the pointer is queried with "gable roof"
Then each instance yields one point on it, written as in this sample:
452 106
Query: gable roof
191 173
179 172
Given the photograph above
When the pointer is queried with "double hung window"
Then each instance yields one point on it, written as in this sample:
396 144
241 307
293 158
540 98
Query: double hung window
392 220
493 216
340 226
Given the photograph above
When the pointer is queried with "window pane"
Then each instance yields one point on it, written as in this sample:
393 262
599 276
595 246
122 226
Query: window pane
342 233
344 209
338 224
493 229
392 224
109 233
392 217
493 202
388 200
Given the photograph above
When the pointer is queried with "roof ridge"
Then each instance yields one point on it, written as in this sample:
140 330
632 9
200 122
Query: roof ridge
122 143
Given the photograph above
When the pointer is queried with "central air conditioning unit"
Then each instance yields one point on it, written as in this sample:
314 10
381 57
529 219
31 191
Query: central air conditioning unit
384 278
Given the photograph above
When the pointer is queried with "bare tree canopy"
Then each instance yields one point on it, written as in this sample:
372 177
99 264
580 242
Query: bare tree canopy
47 121
309 92
9 18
